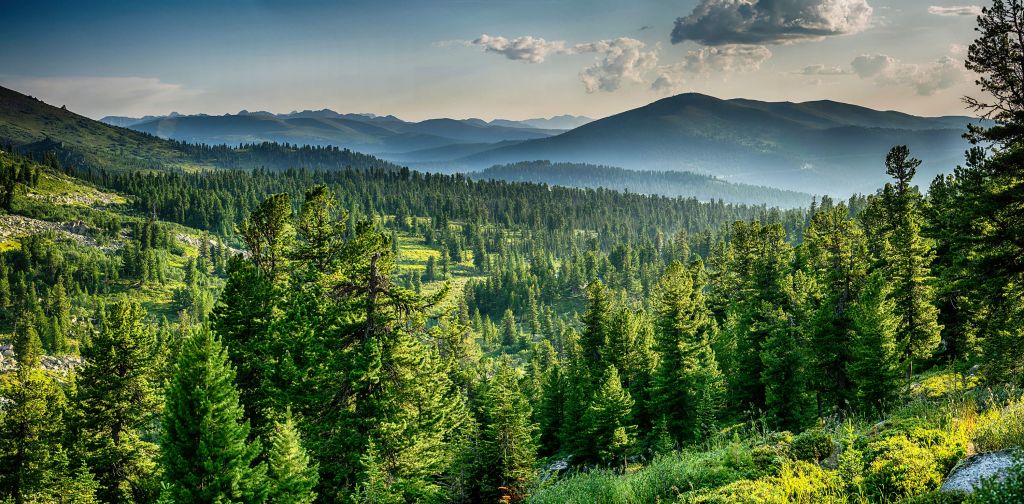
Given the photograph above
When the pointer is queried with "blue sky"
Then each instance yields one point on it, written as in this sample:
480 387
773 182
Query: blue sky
431 59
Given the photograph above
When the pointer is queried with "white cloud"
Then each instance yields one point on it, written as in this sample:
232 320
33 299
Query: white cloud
717 22
820 69
733 58
958 10
528 49
621 59
100 96
617 60
926 79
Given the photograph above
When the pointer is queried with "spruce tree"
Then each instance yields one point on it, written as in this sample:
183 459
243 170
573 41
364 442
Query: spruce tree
205 451
115 401
608 421
874 368
508 445
688 386
596 322
836 258
32 458
290 473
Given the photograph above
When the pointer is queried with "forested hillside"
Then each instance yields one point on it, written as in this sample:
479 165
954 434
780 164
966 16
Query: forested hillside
685 184
381 335
32 127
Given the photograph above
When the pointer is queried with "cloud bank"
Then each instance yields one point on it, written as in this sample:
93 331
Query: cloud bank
718 22
617 60
926 80
99 96
733 58
962 10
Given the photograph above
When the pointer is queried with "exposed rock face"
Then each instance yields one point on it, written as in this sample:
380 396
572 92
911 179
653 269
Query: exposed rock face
969 473
60 364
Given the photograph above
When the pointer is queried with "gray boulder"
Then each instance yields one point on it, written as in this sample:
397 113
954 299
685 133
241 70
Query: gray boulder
969 473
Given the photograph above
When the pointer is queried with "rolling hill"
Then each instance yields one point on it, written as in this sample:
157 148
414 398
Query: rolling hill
818 147
34 127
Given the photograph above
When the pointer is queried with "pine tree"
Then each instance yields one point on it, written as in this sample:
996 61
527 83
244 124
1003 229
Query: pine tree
509 449
115 400
784 358
511 337
909 262
609 428
874 368
205 453
596 321
31 428
290 473
688 387
836 259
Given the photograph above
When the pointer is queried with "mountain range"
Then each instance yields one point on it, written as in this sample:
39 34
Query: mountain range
818 146
363 132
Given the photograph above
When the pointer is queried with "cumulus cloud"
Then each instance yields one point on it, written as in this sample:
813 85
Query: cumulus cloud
621 59
528 49
726 59
718 22
616 60
100 96
959 10
926 80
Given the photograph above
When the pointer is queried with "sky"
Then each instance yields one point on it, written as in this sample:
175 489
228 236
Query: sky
483 58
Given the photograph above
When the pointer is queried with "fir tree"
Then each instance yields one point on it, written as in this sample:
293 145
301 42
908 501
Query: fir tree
874 368
205 454
509 449
115 401
290 473
688 387
608 420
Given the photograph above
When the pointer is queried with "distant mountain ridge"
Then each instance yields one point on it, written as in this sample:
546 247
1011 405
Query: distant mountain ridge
818 147
672 184
362 132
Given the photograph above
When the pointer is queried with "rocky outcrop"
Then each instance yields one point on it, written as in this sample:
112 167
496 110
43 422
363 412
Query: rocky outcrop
60 364
970 472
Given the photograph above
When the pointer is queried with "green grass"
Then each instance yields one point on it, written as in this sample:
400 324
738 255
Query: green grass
903 458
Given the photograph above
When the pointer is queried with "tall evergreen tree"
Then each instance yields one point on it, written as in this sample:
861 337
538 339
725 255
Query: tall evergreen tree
874 367
116 401
608 419
836 259
508 445
205 451
688 386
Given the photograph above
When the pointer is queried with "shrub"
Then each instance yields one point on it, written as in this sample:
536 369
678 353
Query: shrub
798 483
938 497
1000 428
813 445
776 451
900 468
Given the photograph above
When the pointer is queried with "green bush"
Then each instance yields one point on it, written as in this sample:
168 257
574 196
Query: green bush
813 445
798 483
770 456
900 468
938 497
